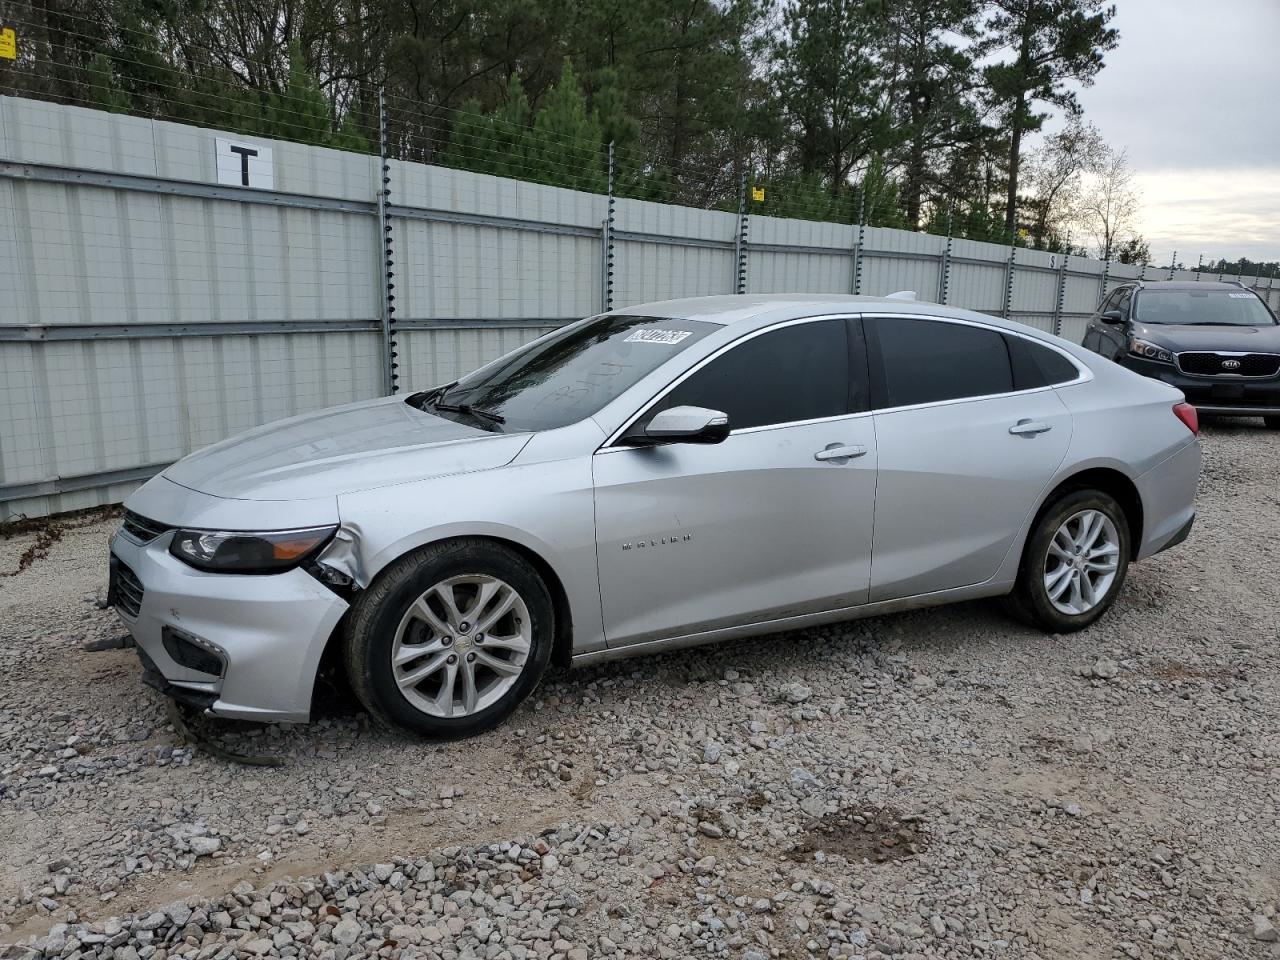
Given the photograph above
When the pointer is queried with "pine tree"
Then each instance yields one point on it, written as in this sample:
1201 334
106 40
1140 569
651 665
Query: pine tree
566 138
104 89
1054 42
830 87
934 106
300 112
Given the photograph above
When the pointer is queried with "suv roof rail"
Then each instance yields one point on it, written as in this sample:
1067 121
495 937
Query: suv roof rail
1238 283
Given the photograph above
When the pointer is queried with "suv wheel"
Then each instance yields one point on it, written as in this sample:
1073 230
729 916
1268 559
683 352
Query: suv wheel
450 639
1273 423
1074 563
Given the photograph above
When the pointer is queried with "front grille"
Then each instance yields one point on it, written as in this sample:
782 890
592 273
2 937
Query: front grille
126 589
142 529
1211 364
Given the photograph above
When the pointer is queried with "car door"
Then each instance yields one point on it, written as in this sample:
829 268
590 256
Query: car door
774 521
964 454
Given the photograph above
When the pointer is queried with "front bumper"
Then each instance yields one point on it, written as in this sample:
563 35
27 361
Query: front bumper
268 631
1225 395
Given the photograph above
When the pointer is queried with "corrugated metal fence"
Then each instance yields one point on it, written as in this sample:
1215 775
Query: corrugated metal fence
149 310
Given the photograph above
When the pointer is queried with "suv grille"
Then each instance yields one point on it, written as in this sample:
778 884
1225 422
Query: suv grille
1211 364
140 528
126 589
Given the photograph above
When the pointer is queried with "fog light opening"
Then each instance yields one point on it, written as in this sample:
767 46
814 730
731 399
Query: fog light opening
194 653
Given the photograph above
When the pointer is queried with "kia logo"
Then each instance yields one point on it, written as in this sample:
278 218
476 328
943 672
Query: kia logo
1230 364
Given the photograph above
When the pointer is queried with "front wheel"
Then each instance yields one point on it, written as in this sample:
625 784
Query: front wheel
450 639
1074 563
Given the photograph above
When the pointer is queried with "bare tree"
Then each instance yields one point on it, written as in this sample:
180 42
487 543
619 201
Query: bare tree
1054 176
1110 202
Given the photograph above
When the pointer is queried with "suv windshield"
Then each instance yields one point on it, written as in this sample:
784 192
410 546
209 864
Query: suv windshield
566 376
1232 308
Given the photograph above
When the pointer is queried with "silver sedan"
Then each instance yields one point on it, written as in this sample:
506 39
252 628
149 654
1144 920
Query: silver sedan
660 476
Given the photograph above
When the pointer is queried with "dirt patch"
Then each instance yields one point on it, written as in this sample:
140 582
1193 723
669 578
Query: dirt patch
48 531
873 834
756 800
1172 671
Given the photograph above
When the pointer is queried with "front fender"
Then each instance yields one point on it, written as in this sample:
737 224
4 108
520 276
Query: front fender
547 508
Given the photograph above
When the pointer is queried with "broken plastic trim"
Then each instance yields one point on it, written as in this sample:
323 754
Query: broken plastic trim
338 565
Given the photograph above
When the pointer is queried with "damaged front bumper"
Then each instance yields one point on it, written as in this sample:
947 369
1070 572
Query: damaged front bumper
240 646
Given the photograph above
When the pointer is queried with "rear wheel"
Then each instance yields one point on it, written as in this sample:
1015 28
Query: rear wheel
450 639
1273 423
1074 563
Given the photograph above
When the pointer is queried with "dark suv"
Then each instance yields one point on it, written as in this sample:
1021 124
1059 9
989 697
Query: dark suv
1218 343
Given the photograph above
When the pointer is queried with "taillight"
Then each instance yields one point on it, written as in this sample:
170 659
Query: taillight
1187 414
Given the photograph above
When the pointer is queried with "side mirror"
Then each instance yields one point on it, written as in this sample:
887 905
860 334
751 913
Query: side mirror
682 425
1112 316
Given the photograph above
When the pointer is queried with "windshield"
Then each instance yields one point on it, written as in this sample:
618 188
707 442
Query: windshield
566 376
1233 308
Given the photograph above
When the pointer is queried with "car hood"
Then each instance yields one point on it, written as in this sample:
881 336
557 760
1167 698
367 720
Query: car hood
1178 337
353 447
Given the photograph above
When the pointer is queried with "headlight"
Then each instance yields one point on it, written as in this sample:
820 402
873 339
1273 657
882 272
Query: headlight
1148 350
230 551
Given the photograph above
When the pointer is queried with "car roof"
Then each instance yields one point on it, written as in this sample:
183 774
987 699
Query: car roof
1231 285
759 309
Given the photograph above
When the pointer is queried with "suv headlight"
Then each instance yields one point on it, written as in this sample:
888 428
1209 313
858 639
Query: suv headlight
1148 350
233 551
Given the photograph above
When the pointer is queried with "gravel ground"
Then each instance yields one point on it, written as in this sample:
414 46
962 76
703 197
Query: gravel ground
940 783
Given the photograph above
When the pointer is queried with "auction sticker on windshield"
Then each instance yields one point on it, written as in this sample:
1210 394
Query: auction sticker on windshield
652 335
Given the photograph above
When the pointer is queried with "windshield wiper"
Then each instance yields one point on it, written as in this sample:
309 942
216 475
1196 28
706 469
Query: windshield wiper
466 408
434 398
421 399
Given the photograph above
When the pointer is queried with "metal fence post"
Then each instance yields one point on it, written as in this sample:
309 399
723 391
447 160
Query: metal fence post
386 269
1008 279
1062 292
1199 266
1106 279
944 278
1173 263
862 235
740 242
606 252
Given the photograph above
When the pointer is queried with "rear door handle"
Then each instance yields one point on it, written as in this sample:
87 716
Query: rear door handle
1029 428
840 451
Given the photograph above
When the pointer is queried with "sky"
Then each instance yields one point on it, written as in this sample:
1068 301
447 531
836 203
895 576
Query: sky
1193 93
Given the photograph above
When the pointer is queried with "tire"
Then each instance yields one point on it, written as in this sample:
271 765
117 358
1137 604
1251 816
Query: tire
1273 423
404 614
1031 600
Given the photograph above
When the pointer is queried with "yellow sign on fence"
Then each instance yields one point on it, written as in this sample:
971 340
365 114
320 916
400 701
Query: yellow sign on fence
8 44
757 194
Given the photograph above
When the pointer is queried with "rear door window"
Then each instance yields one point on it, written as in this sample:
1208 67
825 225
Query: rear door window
1035 365
929 361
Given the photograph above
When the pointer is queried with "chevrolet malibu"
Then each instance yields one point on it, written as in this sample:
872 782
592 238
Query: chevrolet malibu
656 477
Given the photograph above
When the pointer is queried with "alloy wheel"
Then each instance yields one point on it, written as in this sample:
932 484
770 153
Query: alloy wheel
461 645
1082 561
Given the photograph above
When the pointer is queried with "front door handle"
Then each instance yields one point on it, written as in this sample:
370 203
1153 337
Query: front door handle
1029 428
840 451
